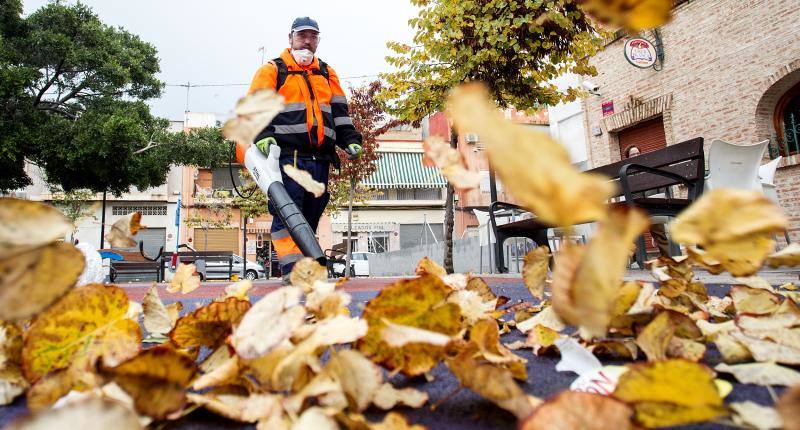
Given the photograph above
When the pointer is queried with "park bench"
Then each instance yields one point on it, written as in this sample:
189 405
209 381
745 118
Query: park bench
136 269
682 164
203 261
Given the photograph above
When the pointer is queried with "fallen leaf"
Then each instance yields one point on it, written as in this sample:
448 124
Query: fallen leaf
26 225
249 409
754 300
572 410
279 311
156 379
253 114
587 279
451 163
326 390
359 378
12 383
756 416
325 301
485 334
418 303
90 414
625 349
46 391
157 318
89 324
547 318
741 244
306 272
788 257
770 348
209 325
633 16
534 271
392 421
239 290
387 397
226 373
710 330
731 349
761 373
397 336
472 305
480 286
668 327
33 280
426 265
670 393
184 280
543 340
788 407
121 233
533 167
305 180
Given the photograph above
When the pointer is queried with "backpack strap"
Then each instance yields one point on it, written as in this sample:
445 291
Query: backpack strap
283 72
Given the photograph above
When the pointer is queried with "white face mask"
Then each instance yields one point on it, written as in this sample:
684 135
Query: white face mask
303 57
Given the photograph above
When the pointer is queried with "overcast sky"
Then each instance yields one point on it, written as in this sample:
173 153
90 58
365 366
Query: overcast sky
217 42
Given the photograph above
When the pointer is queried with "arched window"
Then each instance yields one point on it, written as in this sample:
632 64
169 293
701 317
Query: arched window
787 121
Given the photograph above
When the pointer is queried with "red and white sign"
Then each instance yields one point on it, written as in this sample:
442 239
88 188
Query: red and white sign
640 52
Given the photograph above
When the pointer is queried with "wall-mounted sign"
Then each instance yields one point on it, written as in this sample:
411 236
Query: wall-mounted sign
608 108
640 52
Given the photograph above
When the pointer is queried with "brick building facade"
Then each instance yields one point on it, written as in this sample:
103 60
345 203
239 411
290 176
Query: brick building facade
730 69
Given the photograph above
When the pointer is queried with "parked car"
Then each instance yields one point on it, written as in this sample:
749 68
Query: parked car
219 270
359 266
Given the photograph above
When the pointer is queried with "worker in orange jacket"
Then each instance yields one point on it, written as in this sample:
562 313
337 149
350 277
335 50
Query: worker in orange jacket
315 120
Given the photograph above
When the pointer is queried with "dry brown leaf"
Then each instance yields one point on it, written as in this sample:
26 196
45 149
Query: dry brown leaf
625 349
315 418
572 410
326 390
771 348
209 325
788 407
756 416
33 280
392 421
740 244
543 340
387 397
485 334
88 324
239 290
450 161
156 379
397 336
184 280
533 167
472 305
788 257
480 286
26 225
754 300
226 373
121 233
249 409
157 319
305 180
627 295
280 311
426 265
732 350
45 392
89 414
534 272
12 383
324 301
665 337
670 393
253 114
632 15
306 272
761 373
359 378
547 318
587 279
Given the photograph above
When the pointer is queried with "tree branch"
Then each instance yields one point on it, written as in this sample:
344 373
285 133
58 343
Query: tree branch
72 93
49 83
54 108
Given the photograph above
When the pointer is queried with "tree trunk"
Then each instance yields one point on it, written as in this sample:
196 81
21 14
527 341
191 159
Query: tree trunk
449 214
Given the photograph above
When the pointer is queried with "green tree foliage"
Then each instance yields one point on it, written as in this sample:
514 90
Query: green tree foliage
72 100
516 47
75 205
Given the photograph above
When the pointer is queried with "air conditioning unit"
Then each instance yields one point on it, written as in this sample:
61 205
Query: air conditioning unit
472 138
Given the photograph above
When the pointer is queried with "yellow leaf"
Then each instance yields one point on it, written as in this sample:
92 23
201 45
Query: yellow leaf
789 257
485 334
387 397
472 305
88 323
740 244
587 279
547 317
670 393
122 231
632 15
26 225
45 392
397 336
615 348
89 414
533 167
543 340
359 378
156 379
33 280
480 286
12 384
754 300
534 272
418 303
249 409
226 373
157 319
572 410
10 344
626 297
324 301
209 325
280 311
307 271
761 373
667 327
184 280
732 350
451 163
426 265
305 180
392 421
253 114
239 290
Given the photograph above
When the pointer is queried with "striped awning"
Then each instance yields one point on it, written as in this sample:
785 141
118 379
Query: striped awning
404 170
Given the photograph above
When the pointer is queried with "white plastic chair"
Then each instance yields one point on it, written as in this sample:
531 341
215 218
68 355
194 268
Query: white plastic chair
734 166
486 236
766 174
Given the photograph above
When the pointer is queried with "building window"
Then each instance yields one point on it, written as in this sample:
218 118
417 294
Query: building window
419 194
221 178
378 242
123 210
787 122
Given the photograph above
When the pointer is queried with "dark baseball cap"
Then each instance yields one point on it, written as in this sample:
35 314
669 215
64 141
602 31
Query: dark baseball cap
305 23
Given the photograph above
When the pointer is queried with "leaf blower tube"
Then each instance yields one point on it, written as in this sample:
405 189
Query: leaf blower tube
266 171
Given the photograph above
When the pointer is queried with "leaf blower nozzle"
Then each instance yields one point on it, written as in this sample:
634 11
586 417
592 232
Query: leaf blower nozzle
266 171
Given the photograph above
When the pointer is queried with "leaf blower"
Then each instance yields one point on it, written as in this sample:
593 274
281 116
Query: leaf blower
266 171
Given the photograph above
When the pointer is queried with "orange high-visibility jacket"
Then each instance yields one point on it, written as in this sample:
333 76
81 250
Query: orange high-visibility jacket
315 117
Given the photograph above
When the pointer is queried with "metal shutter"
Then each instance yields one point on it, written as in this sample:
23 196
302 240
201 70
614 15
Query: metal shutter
218 240
647 136
153 238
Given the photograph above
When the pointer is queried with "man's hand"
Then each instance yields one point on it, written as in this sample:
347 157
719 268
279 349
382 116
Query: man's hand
354 151
263 144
